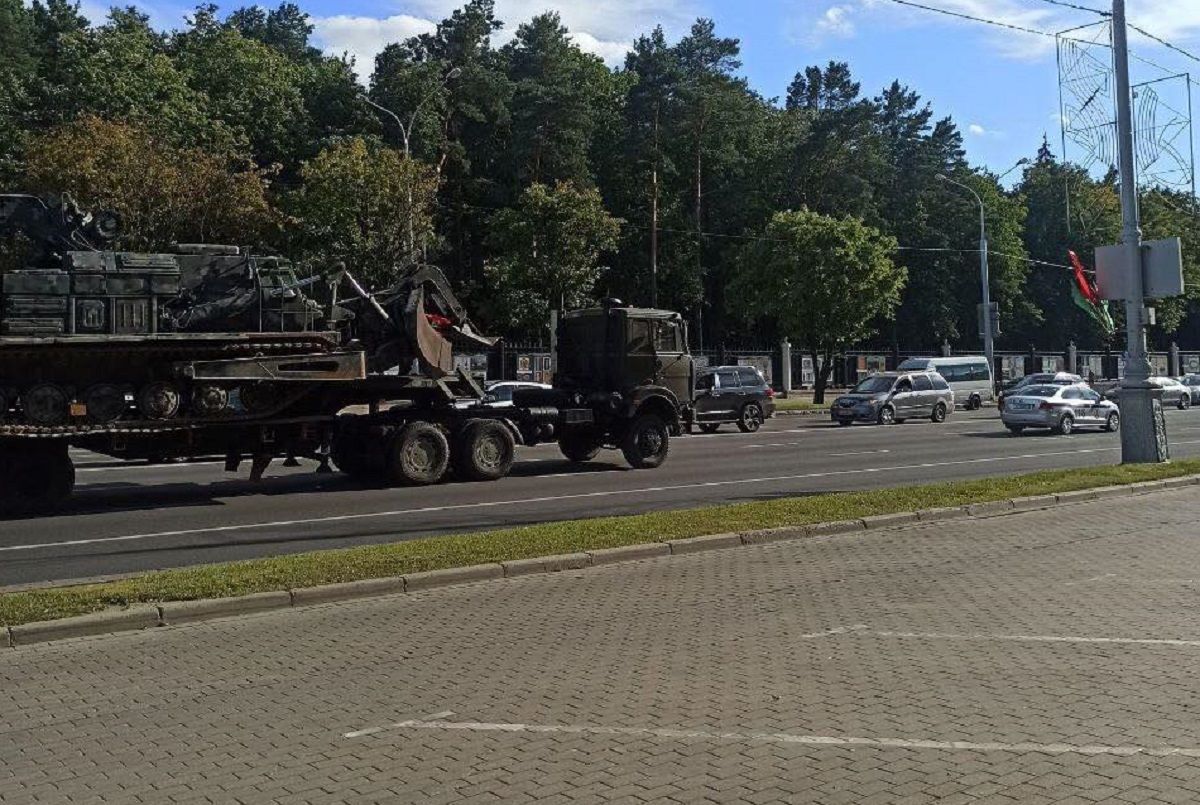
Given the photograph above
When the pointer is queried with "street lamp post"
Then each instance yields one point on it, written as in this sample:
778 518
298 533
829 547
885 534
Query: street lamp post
406 134
983 274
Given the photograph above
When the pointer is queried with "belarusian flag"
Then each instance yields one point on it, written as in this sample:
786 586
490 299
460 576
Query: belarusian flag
1084 292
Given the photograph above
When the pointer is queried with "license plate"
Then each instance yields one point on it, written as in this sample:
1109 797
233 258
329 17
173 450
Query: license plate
1020 406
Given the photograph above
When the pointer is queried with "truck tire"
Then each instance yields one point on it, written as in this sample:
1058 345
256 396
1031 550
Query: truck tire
349 456
419 455
578 448
646 442
484 451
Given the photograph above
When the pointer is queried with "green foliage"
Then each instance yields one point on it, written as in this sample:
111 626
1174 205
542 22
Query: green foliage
548 252
824 282
354 206
165 193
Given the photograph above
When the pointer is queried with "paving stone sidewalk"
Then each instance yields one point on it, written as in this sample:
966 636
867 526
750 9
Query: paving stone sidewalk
1041 657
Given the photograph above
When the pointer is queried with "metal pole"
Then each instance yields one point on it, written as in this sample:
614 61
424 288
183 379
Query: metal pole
988 349
1143 433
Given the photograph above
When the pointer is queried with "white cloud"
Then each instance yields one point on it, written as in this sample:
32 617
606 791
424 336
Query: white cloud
977 129
603 27
836 21
364 37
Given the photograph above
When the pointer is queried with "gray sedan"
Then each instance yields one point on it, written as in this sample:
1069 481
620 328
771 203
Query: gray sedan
1062 409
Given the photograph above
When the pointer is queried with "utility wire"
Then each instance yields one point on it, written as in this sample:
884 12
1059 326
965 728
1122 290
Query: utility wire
1078 8
984 20
1165 43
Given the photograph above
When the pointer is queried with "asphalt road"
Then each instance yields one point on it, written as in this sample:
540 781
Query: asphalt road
128 517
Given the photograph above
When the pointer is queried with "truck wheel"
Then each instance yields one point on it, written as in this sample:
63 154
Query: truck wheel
751 419
419 456
578 448
484 451
646 442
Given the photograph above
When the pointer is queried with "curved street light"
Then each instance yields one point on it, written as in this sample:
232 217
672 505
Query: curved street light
983 271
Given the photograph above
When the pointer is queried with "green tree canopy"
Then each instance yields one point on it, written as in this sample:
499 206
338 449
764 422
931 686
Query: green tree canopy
549 249
823 281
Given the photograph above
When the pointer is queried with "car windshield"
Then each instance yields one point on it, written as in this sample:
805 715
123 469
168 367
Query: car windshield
874 385
1041 391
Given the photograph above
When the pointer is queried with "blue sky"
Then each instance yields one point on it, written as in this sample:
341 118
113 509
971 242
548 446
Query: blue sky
999 85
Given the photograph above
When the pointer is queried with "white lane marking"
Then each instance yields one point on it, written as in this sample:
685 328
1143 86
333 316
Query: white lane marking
834 631
372 730
649 490
1037 638
789 738
858 453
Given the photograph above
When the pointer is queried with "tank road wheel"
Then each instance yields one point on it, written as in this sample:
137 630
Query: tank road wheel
45 404
578 446
159 400
646 442
484 451
35 477
105 403
419 456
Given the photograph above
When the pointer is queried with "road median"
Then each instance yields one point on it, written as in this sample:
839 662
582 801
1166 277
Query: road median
211 591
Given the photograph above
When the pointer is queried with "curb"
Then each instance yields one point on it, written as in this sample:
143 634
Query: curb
148 616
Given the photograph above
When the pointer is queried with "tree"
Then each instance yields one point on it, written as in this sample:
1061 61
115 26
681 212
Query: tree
164 193
352 207
823 281
548 252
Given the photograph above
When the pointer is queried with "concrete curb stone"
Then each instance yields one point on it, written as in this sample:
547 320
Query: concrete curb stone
765 536
344 591
208 608
709 542
106 622
141 617
837 527
889 520
941 513
649 550
990 507
546 564
430 579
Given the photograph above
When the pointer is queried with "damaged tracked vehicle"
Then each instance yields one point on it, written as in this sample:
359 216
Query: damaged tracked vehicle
210 349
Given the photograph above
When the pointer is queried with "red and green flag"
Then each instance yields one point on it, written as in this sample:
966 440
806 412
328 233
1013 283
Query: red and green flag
1087 298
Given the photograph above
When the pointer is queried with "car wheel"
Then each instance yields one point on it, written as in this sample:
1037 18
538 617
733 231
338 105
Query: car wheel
1015 430
887 416
939 413
751 419
709 427
844 423
1113 423
975 403
1065 425
1185 402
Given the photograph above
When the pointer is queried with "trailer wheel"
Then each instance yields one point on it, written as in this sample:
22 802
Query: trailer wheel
349 456
420 455
484 451
646 442
578 447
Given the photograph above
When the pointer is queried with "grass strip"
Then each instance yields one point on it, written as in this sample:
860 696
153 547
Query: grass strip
433 553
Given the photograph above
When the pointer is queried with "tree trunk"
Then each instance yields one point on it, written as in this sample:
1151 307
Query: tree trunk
821 370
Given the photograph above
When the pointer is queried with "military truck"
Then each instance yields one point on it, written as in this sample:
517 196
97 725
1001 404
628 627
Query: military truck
210 349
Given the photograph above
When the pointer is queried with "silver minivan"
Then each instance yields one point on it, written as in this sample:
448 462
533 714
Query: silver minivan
969 376
890 397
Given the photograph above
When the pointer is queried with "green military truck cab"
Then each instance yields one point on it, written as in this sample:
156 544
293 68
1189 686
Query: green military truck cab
631 368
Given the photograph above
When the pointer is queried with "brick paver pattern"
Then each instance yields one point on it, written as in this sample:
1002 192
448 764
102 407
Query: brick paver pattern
1040 657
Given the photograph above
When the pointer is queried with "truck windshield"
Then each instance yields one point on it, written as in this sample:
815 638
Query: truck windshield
874 385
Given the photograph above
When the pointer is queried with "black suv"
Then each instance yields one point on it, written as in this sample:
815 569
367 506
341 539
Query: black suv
737 394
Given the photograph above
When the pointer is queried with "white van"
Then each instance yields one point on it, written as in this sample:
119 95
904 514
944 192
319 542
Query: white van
969 376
